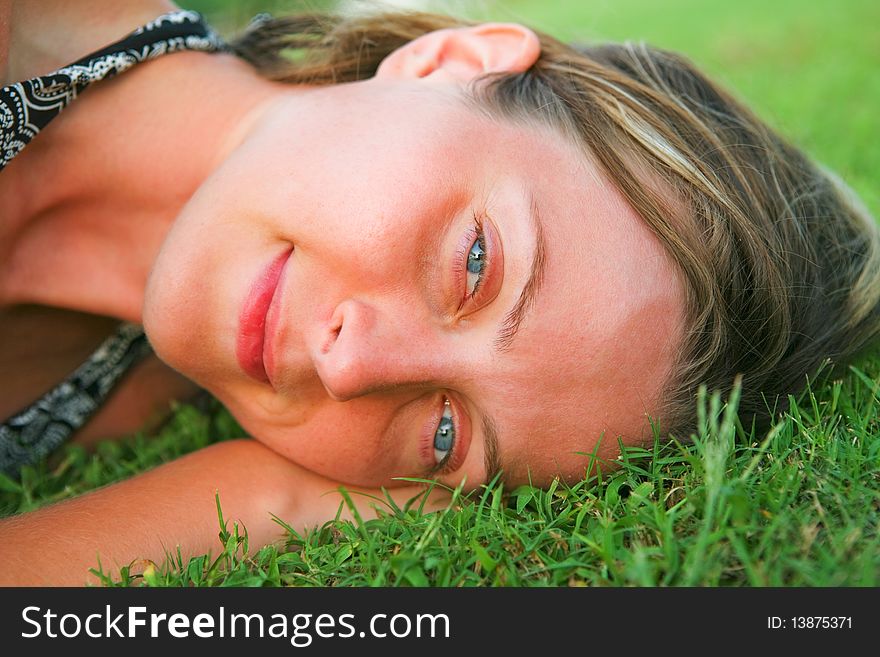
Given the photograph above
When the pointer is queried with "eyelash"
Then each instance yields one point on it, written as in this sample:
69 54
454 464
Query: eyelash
474 234
442 466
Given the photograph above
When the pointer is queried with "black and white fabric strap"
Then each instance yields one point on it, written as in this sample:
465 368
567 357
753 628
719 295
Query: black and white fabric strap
30 435
27 107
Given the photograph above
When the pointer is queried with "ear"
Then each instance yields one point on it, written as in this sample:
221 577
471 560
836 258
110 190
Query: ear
464 53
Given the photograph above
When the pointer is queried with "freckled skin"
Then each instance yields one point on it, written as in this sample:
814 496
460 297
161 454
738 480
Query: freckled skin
588 358
375 201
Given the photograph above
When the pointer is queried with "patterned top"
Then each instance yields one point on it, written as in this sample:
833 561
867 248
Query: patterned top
26 108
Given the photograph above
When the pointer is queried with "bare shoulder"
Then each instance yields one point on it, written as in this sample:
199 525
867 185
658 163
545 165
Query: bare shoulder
39 37
5 20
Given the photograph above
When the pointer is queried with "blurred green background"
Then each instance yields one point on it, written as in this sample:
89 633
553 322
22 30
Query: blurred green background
810 68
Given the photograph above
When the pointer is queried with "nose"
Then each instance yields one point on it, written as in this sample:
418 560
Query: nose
365 348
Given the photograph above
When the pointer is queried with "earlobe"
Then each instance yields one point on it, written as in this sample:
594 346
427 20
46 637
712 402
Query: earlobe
461 54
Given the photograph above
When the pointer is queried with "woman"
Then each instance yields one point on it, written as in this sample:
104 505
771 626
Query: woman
425 249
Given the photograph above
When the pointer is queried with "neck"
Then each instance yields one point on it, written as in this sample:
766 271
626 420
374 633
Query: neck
115 170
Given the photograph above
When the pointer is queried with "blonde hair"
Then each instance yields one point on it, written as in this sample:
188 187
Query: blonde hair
781 261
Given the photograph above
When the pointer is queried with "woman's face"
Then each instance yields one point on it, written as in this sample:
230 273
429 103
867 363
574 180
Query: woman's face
382 282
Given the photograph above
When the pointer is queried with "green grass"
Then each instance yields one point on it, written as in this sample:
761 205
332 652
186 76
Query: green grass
797 507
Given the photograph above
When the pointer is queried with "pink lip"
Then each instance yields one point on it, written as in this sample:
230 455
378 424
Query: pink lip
249 347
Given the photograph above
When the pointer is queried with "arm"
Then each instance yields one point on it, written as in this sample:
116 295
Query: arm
160 509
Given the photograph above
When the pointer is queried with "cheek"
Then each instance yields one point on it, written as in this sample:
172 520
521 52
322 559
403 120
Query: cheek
191 297
351 442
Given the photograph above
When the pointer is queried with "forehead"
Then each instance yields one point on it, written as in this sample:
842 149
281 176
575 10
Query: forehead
598 344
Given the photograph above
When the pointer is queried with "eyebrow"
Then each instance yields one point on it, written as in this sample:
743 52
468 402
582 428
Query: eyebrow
514 318
507 332
491 460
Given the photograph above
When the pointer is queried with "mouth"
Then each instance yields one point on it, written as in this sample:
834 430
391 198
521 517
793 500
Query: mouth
250 347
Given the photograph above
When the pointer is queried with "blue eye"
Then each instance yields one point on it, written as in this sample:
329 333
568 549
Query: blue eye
476 262
444 437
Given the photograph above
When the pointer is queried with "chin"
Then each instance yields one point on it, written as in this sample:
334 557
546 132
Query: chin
156 329
170 332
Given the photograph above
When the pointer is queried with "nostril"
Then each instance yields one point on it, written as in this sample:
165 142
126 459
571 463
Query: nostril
332 336
346 361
